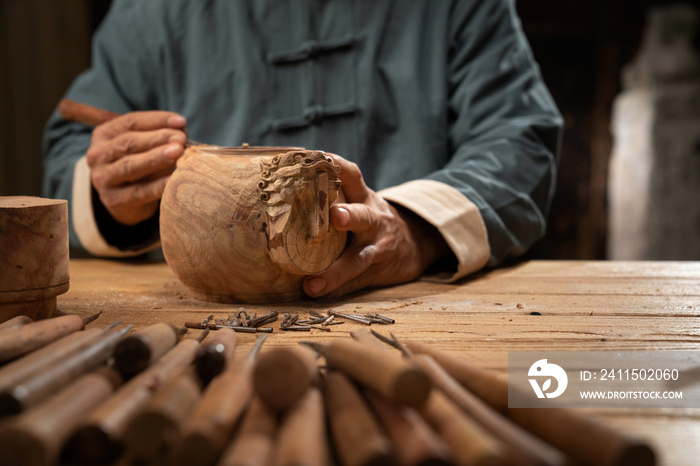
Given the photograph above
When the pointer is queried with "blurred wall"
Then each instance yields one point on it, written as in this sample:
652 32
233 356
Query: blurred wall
44 44
581 47
654 182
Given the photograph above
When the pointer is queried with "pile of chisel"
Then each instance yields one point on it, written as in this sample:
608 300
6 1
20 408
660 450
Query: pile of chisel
76 396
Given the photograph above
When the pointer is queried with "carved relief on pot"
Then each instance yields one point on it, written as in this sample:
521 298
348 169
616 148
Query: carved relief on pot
297 189
247 224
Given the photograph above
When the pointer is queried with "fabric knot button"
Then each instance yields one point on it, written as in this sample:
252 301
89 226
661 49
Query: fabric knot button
311 49
313 114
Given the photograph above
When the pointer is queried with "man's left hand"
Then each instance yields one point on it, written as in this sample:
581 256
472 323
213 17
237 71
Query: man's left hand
388 246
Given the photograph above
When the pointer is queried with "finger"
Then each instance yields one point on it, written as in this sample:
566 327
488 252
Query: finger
349 265
138 121
358 283
134 203
354 186
141 193
133 215
357 218
132 142
160 174
142 213
133 168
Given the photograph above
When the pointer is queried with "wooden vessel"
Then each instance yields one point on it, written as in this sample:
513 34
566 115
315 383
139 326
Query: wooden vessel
33 256
246 224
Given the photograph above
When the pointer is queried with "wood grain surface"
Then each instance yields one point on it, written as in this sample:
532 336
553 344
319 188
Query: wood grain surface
33 255
594 306
246 224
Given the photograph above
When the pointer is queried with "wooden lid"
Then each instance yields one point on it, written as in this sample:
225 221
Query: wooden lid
19 202
244 150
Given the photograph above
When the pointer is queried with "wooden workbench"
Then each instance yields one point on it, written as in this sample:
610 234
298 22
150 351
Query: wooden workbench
536 305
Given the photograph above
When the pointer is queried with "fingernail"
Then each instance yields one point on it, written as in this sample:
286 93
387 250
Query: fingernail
173 151
316 285
179 138
343 216
177 121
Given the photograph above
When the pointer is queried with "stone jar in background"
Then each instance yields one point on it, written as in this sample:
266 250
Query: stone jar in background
654 179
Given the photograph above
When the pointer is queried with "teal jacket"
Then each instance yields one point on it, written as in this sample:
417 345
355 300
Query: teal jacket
411 89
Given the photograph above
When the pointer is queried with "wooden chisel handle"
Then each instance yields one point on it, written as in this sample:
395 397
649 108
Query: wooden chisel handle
15 322
415 443
215 353
27 338
92 116
585 440
283 375
82 113
37 436
358 437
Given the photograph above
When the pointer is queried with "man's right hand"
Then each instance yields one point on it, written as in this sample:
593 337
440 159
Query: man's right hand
131 159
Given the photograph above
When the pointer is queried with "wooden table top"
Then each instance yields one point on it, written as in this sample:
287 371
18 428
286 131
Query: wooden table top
537 305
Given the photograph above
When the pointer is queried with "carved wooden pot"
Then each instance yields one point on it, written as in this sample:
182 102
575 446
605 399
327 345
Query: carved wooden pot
33 256
246 224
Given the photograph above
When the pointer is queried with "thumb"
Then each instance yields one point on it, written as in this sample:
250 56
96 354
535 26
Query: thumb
353 217
354 186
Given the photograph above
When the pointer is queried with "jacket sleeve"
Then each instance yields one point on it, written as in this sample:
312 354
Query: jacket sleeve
121 78
504 129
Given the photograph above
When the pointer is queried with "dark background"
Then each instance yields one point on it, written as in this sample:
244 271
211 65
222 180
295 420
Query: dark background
581 46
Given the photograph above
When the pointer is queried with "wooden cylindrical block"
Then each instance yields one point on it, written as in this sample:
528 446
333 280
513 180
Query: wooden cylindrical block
143 347
33 256
283 375
35 438
358 438
253 445
383 371
302 434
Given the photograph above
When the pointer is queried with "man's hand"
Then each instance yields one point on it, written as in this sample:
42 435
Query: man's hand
131 159
388 245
